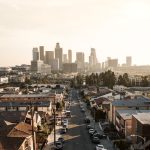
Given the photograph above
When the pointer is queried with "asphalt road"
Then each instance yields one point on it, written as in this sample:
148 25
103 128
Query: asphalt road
77 137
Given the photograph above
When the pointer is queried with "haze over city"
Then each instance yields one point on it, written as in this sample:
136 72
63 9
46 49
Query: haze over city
115 28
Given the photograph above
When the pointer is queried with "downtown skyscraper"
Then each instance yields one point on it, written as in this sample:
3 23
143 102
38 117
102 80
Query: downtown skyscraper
59 55
69 56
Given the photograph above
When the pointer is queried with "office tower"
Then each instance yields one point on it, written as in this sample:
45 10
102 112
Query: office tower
112 62
59 54
93 60
80 60
49 56
93 56
65 60
35 54
128 61
41 53
69 56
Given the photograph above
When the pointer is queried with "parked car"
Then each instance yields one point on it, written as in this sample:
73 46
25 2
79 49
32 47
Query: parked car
99 147
100 136
95 140
95 135
89 127
82 110
87 120
58 145
63 131
91 130
61 139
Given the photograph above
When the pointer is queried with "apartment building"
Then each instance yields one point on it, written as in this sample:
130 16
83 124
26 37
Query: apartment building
139 103
124 121
13 102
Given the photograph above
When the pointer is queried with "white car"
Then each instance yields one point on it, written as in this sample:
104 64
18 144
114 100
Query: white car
91 130
65 121
99 147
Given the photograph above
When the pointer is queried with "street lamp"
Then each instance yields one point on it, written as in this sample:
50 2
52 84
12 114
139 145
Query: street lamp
143 138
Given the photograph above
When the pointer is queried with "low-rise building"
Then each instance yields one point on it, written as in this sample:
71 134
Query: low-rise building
21 116
39 102
124 121
140 103
16 137
141 125
119 88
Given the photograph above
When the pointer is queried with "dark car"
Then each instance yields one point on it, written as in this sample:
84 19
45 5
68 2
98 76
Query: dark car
100 136
63 131
82 110
95 135
92 132
95 140
87 120
61 139
58 145
89 127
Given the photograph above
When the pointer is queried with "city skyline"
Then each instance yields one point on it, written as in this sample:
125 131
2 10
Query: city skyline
114 28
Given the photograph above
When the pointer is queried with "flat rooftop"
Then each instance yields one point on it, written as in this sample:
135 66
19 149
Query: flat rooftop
127 114
140 101
23 96
144 118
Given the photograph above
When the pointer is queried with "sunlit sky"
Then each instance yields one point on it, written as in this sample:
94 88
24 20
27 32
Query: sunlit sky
115 28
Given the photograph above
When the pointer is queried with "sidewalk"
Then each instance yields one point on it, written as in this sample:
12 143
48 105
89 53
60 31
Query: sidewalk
50 139
106 142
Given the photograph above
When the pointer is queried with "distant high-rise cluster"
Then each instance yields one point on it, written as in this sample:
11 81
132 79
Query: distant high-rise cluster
47 61
55 61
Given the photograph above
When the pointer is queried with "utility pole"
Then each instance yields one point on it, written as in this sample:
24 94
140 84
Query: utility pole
94 118
54 122
33 133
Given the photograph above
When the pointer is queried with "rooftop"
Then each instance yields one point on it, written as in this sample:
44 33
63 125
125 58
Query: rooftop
13 116
144 118
100 100
21 130
11 143
25 104
24 96
11 100
140 101
127 114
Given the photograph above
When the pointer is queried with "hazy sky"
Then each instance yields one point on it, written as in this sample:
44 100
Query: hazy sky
115 28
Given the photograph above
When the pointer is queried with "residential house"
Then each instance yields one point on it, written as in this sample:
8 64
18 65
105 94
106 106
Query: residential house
21 116
16 137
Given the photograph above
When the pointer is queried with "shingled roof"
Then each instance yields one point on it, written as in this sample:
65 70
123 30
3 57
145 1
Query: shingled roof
21 130
13 116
